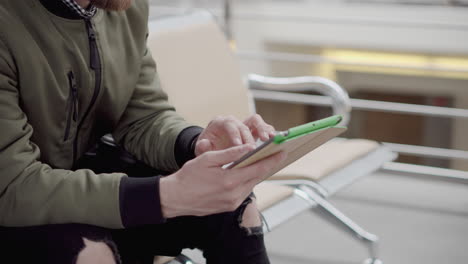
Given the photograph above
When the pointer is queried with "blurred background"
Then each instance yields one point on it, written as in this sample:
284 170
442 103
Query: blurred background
404 64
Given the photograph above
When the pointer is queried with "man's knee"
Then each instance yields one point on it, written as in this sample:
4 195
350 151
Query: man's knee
97 252
250 219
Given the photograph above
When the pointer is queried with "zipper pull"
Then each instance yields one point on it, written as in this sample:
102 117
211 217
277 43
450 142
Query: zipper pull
93 50
74 91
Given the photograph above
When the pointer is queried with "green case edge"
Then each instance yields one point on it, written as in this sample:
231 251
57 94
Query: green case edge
308 128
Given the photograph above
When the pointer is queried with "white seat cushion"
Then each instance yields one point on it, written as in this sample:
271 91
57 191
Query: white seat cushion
269 194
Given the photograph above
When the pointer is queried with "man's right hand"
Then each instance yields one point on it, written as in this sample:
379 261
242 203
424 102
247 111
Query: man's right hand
202 187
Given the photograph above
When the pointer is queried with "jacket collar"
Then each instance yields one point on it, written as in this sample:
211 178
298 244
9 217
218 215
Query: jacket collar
86 13
59 8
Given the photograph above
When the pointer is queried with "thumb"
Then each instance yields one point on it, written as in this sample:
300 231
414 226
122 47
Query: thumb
222 157
203 146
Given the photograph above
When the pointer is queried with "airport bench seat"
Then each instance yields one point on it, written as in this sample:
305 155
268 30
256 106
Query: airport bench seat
201 75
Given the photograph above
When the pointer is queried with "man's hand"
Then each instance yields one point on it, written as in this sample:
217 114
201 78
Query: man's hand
202 187
226 132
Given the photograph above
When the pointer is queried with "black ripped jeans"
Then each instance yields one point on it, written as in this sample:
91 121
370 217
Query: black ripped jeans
221 237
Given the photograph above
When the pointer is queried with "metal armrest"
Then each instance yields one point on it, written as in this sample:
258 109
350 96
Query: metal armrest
341 103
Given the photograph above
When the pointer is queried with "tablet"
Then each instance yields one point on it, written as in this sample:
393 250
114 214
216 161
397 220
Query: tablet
296 142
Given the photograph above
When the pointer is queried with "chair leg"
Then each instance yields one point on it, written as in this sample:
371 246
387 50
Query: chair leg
342 221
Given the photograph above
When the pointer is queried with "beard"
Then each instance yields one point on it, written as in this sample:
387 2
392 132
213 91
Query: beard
112 5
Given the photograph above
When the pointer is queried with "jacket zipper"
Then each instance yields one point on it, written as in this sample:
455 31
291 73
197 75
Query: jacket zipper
95 65
72 105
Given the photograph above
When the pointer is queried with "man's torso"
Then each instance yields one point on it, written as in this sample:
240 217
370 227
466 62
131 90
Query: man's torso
61 92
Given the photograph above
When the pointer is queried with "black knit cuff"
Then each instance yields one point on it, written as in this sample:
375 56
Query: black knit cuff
140 201
184 148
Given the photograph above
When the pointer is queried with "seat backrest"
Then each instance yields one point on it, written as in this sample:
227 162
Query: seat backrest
197 68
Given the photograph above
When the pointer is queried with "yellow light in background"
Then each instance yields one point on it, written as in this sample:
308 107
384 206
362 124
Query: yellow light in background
451 62
388 63
233 45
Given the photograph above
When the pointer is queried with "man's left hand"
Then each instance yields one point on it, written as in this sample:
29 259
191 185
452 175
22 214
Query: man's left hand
226 132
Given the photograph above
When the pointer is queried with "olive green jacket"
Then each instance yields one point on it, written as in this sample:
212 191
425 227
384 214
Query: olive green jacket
63 84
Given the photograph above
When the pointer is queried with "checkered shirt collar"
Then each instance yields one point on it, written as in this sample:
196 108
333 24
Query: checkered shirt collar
84 13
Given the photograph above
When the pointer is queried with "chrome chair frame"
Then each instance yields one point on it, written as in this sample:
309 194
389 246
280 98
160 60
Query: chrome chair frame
340 99
315 194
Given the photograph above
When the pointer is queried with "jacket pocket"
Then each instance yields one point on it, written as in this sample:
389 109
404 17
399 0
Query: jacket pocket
72 105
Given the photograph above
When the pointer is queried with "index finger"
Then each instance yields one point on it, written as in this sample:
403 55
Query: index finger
246 135
259 127
234 135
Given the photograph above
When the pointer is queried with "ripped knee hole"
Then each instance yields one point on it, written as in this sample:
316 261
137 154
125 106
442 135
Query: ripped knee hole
251 216
98 252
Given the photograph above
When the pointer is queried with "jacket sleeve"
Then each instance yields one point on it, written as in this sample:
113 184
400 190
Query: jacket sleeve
33 193
150 127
